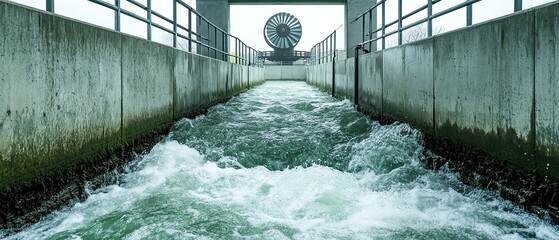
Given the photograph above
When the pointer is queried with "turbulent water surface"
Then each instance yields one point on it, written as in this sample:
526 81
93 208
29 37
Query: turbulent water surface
285 161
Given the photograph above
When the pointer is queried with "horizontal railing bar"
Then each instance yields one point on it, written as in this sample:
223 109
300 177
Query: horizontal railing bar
452 9
198 38
423 20
137 4
162 17
162 28
105 4
133 15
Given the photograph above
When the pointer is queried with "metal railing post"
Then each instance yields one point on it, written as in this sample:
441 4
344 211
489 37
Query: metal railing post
224 53
117 15
469 13
356 76
399 22
370 28
209 39
384 24
363 23
50 6
331 47
215 41
517 5
236 51
320 52
175 23
334 67
149 18
429 19
189 30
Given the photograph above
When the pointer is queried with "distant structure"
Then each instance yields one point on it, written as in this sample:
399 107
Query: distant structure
282 32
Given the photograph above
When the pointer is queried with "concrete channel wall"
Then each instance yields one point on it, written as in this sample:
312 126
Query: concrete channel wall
70 91
492 86
295 72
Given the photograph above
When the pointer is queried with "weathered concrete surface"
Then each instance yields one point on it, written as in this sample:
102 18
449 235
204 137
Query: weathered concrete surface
371 82
209 85
147 87
484 88
187 85
60 93
74 97
345 80
491 87
295 72
547 90
408 84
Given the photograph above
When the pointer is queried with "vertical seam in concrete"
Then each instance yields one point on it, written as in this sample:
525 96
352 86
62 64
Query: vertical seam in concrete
533 113
382 87
174 83
433 82
381 83
122 140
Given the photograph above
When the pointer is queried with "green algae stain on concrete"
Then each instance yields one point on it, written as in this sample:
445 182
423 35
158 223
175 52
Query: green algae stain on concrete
25 168
504 144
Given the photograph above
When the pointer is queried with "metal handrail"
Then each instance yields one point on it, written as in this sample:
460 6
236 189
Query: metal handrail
429 19
325 50
243 54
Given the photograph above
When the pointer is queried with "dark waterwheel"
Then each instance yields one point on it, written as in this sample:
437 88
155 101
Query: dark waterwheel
283 31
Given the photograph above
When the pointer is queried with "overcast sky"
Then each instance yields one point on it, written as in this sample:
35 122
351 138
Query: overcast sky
247 22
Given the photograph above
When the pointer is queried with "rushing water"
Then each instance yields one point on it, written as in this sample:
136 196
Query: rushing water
285 161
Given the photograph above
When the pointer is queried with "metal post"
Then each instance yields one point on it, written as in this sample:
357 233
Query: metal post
517 5
245 55
175 23
149 19
399 22
370 28
323 51
429 19
331 47
209 39
215 42
334 68
318 52
384 24
236 51
363 29
189 30
223 36
117 15
356 76
469 10
50 6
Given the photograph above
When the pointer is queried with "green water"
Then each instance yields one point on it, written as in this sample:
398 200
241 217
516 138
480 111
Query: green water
285 161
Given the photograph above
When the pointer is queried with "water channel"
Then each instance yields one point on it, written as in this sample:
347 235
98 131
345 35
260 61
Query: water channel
286 161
